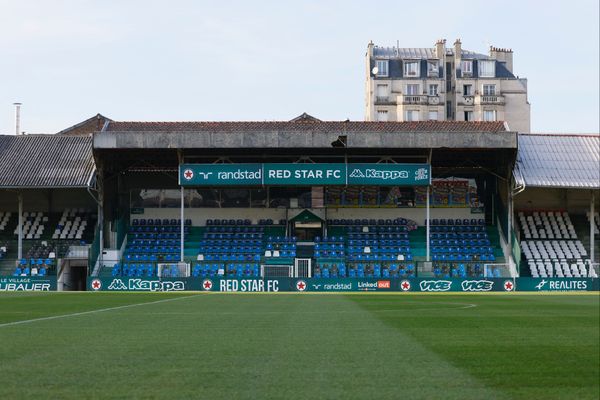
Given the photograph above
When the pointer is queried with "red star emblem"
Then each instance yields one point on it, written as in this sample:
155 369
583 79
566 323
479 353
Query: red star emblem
207 284
96 284
301 285
405 285
188 174
508 286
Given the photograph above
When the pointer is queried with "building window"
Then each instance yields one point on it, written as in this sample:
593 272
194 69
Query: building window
489 90
433 90
489 115
487 69
382 92
467 90
382 67
433 115
382 115
412 90
411 115
467 67
411 69
468 115
432 68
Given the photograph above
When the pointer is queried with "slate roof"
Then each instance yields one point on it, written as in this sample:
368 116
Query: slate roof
421 53
315 126
559 161
45 161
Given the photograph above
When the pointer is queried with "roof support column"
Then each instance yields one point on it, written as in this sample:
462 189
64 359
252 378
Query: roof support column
509 223
427 217
182 216
592 227
100 181
20 227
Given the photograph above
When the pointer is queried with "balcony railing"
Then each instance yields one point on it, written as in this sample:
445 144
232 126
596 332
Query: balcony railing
414 99
491 99
467 100
383 100
433 100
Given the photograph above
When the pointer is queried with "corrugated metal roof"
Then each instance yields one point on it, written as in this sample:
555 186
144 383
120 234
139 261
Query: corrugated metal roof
559 161
45 161
309 126
420 53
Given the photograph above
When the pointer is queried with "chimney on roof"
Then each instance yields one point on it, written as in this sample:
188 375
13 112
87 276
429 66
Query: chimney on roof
457 53
17 118
440 48
505 56
370 49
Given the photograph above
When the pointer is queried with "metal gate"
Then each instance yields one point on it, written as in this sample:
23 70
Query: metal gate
302 268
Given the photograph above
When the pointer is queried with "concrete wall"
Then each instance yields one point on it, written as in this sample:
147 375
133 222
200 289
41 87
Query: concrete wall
47 200
574 201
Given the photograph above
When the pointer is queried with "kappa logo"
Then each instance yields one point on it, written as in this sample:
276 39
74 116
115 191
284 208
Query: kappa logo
435 286
96 284
117 284
509 286
477 286
188 174
207 284
405 285
373 173
301 286
541 285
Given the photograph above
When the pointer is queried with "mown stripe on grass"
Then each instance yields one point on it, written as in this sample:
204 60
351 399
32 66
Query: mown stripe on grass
77 314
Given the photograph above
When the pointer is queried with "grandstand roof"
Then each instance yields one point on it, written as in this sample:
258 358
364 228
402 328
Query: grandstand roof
45 161
559 161
314 125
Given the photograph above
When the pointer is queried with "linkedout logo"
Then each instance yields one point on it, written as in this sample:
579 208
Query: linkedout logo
477 286
435 286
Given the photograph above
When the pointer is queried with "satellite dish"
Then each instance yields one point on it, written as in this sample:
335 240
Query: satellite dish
375 70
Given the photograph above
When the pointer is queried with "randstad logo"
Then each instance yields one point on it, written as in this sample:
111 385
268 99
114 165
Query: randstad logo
477 286
435 286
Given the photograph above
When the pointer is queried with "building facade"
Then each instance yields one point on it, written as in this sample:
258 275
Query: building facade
444 83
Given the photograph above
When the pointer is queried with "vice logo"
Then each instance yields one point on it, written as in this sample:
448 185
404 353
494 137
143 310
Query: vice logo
435 286
477 286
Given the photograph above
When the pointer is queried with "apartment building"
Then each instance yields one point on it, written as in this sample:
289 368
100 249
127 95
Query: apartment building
444 83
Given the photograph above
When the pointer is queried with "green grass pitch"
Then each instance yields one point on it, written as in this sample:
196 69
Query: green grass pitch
298 346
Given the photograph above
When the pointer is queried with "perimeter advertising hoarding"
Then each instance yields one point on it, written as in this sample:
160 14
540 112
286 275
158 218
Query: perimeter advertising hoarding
27 283
285 174
479 285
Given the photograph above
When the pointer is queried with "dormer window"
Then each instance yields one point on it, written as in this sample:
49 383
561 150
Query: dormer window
466 67
432 68
382 68
411 69
487 68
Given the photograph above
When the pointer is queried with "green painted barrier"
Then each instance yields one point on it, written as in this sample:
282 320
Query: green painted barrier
224 284
27 284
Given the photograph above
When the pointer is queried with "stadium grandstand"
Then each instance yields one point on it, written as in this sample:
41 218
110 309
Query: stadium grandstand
305 199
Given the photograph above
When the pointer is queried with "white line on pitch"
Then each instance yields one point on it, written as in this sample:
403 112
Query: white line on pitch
27 321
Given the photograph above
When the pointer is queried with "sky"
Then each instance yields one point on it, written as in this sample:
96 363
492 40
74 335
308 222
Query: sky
272 60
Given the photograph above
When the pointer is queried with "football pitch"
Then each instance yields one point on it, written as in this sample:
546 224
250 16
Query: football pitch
299 346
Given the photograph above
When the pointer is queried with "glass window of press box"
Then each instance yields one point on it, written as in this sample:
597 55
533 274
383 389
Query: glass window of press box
445 192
